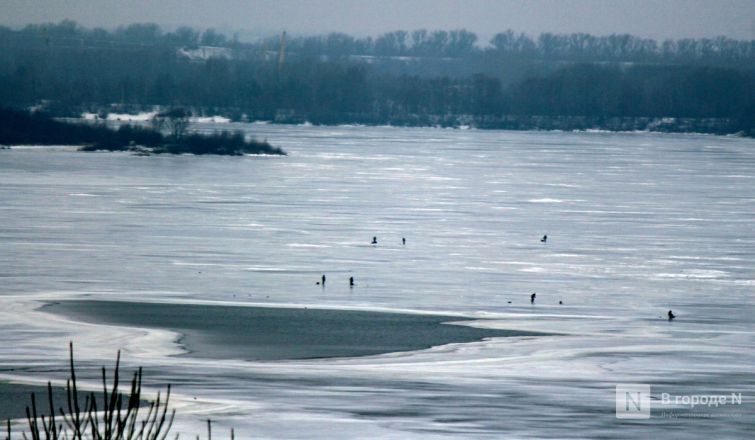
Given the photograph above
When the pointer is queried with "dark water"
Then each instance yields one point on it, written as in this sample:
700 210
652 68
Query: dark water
262 333
16 398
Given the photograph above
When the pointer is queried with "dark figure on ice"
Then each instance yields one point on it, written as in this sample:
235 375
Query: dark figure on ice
351 282
671 315
374 240
323 280
544 239
532 298
403 240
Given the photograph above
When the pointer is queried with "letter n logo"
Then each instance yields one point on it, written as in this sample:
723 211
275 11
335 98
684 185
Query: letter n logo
633 401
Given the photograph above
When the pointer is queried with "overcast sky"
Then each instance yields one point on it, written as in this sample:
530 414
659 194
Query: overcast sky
649 18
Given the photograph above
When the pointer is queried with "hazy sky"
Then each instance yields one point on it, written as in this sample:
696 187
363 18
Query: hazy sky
651 18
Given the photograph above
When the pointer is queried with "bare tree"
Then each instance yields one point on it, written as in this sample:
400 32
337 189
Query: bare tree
175 121
119 417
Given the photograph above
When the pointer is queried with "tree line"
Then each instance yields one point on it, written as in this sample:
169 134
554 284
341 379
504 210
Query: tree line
72 69
458 43
546 46
23 128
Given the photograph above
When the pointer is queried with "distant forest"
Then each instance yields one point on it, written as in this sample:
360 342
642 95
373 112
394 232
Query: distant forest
402 78
18 127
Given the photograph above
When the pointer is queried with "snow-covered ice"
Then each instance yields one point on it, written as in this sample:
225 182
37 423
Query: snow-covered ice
637 224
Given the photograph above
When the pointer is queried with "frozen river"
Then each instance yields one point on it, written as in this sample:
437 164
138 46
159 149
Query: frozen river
637 224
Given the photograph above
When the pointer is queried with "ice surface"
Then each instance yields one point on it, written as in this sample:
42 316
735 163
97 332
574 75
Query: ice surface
637 224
